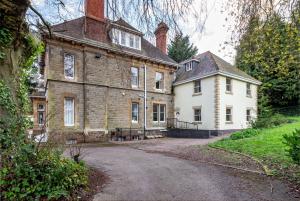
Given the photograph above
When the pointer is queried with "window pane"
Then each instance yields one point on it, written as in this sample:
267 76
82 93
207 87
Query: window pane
158 80
228 114
228 84
197 87
134 76
248 89
162 113
69 65
155 112
41 117
69 111
137 42
197 115
123 38
135 112
131 41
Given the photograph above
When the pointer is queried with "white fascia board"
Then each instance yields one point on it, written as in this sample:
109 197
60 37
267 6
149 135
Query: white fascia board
195 78
252 81
256 82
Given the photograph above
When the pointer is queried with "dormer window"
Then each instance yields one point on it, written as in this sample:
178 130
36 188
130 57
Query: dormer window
188 66
126 39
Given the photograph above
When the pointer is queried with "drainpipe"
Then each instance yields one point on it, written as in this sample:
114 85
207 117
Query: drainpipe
145 100
84 95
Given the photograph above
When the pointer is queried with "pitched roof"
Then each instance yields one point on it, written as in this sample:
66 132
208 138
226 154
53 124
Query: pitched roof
123 23
210 64
75 29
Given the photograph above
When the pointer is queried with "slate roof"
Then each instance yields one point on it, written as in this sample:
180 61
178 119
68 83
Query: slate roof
210 64
123 23
75 28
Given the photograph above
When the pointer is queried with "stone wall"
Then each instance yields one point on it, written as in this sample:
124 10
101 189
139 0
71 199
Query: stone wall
102 91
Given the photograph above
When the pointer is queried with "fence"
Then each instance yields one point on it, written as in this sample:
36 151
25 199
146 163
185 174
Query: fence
175 123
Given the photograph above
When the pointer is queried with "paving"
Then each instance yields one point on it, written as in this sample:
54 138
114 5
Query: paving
141 175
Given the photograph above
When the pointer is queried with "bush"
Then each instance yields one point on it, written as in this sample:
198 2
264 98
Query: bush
43 175
293 143
270 121
244 134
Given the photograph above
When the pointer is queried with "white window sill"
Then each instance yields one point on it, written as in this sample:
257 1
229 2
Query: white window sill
248 96
159 90
229 92
69 78
197 94
197 122
134 122
229 122
69 125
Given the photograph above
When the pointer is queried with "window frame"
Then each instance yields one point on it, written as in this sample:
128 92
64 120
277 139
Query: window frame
137 77
159 112
43 118
40 109
199 114
73 113
132 112
228 85
197 87
161 82
248 89
230 115
73 56
188 66
125 39
248 116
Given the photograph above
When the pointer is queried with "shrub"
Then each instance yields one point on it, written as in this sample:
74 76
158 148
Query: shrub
270 121
293 143
244 134
43 175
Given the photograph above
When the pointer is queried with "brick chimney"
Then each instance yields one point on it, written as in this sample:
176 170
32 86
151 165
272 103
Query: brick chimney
161 36
95 9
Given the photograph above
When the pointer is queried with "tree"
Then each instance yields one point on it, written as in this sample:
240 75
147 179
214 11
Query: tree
269 51
181 49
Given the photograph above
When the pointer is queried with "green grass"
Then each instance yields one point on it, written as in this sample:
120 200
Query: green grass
268 147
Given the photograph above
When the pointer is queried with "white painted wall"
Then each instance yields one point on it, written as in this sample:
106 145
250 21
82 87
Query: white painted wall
185 100
239 102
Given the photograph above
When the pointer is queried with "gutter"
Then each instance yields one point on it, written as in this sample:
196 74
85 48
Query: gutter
145 100
219 73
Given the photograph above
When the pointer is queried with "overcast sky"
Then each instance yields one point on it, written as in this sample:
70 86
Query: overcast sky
212 37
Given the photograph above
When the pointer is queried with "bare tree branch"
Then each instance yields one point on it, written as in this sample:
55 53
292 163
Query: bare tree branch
43 20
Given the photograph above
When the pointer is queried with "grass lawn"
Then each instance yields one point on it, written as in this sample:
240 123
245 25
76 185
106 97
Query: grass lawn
269 148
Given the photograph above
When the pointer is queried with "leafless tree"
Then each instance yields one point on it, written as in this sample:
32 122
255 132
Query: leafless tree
144 14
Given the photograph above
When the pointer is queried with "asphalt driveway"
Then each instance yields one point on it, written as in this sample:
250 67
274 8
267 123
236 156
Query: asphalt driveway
139 175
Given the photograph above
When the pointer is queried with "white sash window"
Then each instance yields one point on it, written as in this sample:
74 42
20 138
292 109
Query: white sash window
69 111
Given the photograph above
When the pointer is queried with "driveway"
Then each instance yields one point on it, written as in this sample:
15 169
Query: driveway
139 175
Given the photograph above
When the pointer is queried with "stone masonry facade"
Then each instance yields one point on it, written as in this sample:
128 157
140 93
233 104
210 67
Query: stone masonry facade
102 92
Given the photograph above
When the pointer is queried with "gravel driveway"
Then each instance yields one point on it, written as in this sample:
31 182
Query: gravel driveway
139 175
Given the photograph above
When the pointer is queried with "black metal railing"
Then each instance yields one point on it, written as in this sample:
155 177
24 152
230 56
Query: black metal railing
175 123
124 134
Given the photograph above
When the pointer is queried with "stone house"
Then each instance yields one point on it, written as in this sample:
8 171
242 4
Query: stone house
214 96
101 75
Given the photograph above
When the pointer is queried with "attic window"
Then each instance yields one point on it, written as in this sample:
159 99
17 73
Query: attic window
188 66
191 64
126 39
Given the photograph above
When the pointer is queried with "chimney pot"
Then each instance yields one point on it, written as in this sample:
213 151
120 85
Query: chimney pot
161 36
